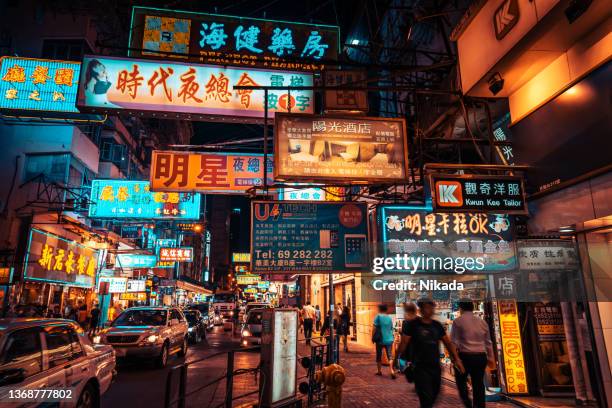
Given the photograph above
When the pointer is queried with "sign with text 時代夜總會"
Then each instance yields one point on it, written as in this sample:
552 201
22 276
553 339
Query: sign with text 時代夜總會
38 84
169 87
208 172
293 236
178 254
344 149
471 193
128 199
232 40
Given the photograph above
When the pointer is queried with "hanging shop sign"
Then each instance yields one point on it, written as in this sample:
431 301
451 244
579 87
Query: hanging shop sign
51 258
135 200
114 83
292 237
311 194
135 261
37 84
345 149
416 231
469 193
263 285
241 257
512 348
549 321
168 243
547 254
208 172
180 254
346 99
247 279
188 227
136 285
115 284
229 40
6 275
137 297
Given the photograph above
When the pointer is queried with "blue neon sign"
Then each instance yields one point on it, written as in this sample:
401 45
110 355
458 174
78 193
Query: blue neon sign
136 261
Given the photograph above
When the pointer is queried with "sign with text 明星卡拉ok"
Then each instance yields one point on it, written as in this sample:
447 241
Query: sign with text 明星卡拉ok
191 90
135 200
178 254
38 84
472 193
292 236
344 149
51 258
232 40
208 172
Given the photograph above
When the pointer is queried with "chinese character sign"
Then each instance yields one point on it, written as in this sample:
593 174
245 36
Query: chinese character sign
208 172
512 348
135 261
547 255
36 84
311 194
241 257
108 83
412 231
291 237
180 254
135 200
51 258
323 148
228 40
168 243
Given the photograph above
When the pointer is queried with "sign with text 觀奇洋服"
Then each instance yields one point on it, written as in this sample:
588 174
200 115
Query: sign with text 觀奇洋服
38 84
135 200
293 237
472 193
339 148
189 90
232 40
208 172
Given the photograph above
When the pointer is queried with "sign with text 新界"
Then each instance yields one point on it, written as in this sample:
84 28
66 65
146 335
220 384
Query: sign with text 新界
472 193
232 40
51 258
339 148
135 200
114 83
208 172
294 236
38 84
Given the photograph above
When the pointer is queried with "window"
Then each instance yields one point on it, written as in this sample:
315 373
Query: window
52 166
62 345
177 315
23 352
69 50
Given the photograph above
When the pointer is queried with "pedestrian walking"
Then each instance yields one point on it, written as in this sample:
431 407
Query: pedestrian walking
410 313
94 319
344 324
308 316
382 336
82 314
318 318
470 335
425 335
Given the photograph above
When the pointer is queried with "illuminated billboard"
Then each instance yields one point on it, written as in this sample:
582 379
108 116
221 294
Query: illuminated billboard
134 200
179 254
192 90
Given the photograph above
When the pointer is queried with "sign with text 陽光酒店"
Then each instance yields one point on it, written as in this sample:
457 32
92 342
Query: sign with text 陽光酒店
512 347
339 148
178 254
292 236
190 90
37 84
416 231
51 258
208 172
471 193
135 200
229 40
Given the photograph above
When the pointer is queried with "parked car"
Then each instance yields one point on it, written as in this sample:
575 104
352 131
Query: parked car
147 332
251 328
208 313
197 326
53 353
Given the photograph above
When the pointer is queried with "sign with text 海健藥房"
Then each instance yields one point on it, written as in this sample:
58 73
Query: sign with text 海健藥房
232 40
190 90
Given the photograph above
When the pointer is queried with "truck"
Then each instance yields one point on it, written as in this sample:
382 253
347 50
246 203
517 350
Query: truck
224 303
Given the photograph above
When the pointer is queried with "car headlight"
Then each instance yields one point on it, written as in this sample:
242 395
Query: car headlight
246 333
96 339
152 338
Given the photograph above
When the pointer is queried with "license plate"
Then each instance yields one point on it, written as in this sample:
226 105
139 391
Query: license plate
120 352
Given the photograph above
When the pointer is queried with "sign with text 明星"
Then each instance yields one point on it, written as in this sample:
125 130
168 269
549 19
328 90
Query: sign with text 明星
512 348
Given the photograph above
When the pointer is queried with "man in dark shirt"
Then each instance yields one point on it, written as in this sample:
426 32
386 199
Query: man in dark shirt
424 335
94 320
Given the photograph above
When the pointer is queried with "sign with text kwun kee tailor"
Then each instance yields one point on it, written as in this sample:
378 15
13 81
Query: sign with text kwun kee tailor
470 193
134 200
179 254
113 83
293 237
345 149
208 172
229 40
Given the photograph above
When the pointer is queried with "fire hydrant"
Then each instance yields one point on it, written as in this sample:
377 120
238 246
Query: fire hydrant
332 377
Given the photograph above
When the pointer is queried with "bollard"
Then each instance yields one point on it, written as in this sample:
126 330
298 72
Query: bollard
332 376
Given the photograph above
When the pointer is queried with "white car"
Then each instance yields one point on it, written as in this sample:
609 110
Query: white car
38 356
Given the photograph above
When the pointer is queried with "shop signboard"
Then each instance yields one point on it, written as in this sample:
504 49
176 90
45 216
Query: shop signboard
472 193
547 254
115 284
311 194
231 40
135 261
241 257
417 231
38 84
187 90
346 99
136 285
339 148
179 254
188 227
247 279
297 237
512 348
549 320
263 285
51 258
6 275
129 199
208 172
168 243
138 297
